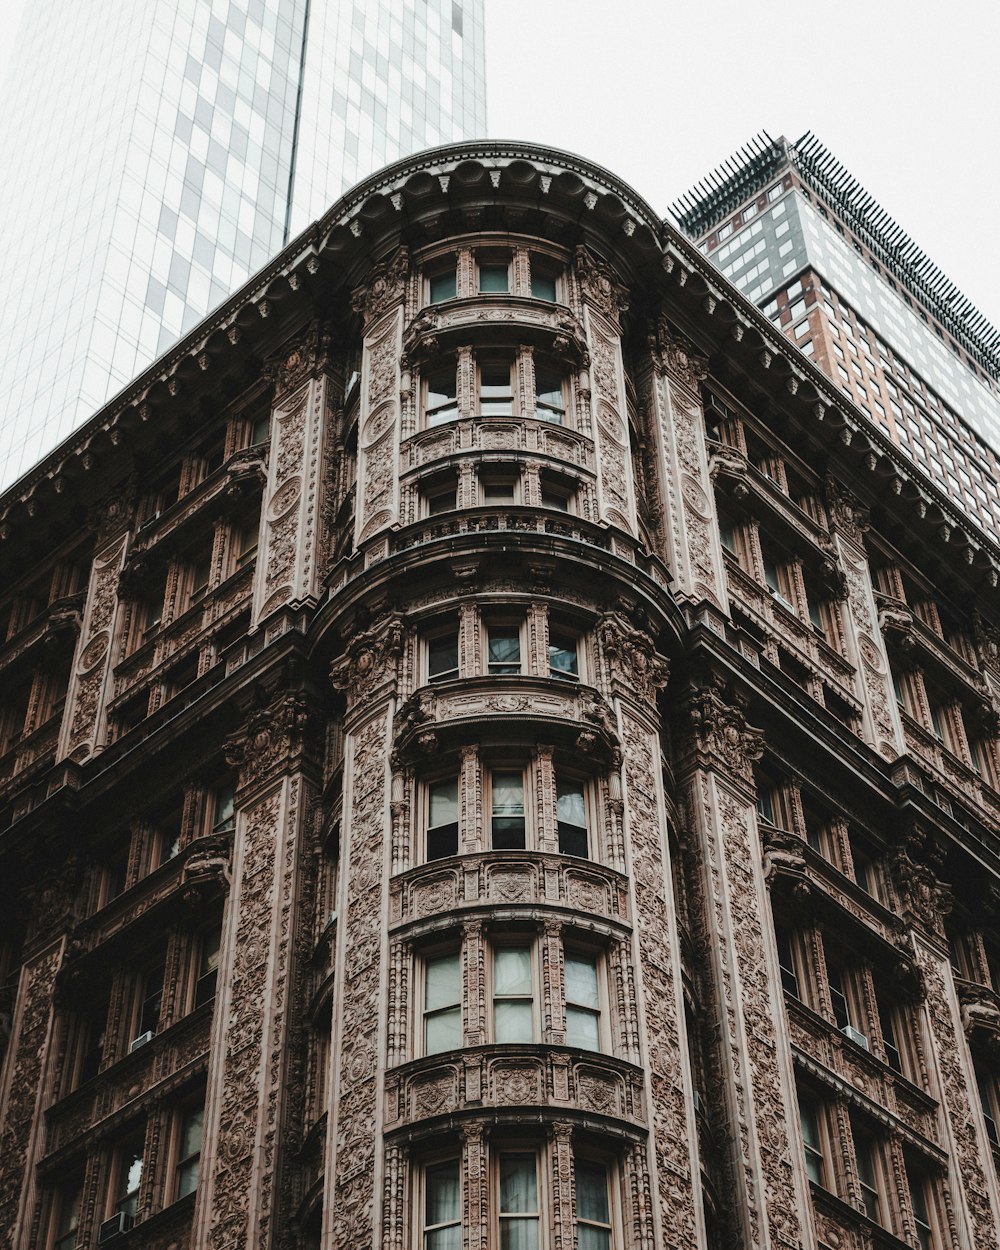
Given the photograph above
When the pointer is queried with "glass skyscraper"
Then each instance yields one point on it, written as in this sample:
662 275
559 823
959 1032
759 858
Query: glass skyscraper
157 153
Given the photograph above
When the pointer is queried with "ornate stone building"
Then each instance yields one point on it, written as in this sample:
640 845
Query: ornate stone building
496 752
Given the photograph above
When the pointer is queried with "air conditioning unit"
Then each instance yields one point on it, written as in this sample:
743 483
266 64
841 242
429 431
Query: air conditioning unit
140 1041
119 1223
856 1036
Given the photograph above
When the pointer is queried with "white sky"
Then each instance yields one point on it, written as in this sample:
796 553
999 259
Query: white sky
906 95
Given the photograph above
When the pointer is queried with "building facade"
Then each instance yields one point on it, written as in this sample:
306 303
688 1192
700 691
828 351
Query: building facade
487 760
172 148
789 226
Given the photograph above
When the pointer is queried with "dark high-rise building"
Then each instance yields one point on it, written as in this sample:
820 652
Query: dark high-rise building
496 751
790 227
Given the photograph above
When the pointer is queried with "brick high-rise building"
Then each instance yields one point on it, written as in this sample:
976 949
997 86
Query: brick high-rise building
789 226
497 750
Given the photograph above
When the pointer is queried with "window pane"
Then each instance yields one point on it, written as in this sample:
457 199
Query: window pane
513 1021
442 398
562 658
508 794
493 278
441 981
512 970
444 803
591 1238
443 286
447 1238
543 286
583 1028
581 982
442 657
549 402
505 652
495 393
519 1234
191 1131
591 1193
518 1185
498 492
443 1194
570 806
443 1031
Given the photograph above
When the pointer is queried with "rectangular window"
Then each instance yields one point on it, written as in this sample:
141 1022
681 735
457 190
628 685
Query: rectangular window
786 963
812 1143
513 995
571 818
507 824
556 496
563 660
504 650
198 574
887 1023
442 818
438 499
191 1128
583 1002
442 656
550 402
988 1098
260 431
494 279
593 1211
865 1152
66 1216
498 491
838 996
496 391
443 286
442 1028
127 1175
442 1207
150 1000
518 1208
921 1214
224 809
543 283
441 397
208 967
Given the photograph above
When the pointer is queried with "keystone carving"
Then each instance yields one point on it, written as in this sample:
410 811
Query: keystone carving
631 656
270 736
719 728
599 283
926 900
308 357
676 355
385 286
847 514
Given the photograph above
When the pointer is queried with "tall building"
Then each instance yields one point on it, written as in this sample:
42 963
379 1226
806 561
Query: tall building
790 227
157 156
497 750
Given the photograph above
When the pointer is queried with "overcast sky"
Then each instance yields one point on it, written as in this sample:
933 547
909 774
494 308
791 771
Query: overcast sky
906 95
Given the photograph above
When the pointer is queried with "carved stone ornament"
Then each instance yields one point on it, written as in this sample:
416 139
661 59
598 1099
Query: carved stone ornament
719 728
631 655
114 513
245 472
847 514
676 355
980 1011
600 284
783 854
369 659
206 865
271 733
385 286
926 899
306 358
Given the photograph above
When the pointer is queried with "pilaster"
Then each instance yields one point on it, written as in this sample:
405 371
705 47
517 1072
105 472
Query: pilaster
290 548
252 1084
864 645
753 1096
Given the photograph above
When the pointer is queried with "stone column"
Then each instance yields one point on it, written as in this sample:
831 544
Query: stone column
253 1089
972 1178
753 1097
289 567
630 672
881 727
84 724
685 507
603 300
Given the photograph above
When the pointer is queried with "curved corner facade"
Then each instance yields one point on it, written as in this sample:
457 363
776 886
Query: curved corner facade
475 781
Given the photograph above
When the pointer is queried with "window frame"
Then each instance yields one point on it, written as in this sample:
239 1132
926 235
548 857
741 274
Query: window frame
495 360
505 944
428 785
527 830
539 1215
564 779
437 955
420 1205
449 631
509 627
181 1164
596 959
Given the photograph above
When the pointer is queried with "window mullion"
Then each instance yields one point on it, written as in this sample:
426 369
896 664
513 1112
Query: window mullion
466 384
545 801
470 801
524 363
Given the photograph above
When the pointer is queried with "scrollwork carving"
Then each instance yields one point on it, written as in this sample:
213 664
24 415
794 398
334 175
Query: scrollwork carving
270 736
719 728
630 655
